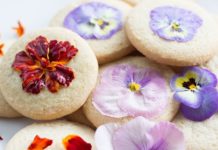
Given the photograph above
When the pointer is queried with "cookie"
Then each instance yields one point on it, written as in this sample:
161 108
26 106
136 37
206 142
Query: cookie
5 109
55 135
199 135
101 23
131 87
184 38
80 117
48 74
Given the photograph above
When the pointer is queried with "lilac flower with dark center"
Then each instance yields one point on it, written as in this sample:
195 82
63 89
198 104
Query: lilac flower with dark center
126 90
195 88
94 20
139 134
174 24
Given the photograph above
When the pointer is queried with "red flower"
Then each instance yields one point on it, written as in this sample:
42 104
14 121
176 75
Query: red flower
72 142
40 143
42 64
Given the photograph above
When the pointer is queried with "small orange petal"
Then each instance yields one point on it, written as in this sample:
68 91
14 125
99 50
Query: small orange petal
20 29
39 143
1 49
73 142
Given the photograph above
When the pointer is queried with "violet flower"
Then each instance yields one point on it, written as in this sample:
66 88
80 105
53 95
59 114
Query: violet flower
126 90
94 20
139 134
174 24
195 88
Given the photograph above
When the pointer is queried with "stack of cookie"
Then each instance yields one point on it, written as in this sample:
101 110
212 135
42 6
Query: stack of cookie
144 76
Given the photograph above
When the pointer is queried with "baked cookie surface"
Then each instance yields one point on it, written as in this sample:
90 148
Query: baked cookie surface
54 135
49 89
105 104
184 38
101 23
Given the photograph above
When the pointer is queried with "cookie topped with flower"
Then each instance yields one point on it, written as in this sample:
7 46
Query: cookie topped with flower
53 135
173 32
101 23
44 76
131 87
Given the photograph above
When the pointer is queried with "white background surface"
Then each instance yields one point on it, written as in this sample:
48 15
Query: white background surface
35 14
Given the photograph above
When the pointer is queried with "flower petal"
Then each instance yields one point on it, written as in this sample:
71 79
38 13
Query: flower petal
177 81
40 143
74 142
63 75
105 100
208 107
166 136
61 52
133 135
103 136
38 48
146 103
23 62
189 98
208 78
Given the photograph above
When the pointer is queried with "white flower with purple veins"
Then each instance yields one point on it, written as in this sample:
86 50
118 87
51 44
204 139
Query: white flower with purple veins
174 24
139 134
94 20
126 90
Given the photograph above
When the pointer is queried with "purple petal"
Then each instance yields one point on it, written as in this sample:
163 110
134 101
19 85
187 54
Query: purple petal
78 20
208 78
103 136
166 136
208 107
133 135
189 98
163 17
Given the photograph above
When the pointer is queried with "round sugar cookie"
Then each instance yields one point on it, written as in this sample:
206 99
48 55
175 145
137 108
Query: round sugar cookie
101 23
48 73
131 87
55 135
199 135
5 109
173 32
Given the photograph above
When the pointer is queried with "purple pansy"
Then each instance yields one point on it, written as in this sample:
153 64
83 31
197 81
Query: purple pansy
126 90
174 24
139 134
195 88
94 20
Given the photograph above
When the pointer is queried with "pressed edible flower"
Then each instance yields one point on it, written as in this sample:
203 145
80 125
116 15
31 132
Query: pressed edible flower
19 30
43 64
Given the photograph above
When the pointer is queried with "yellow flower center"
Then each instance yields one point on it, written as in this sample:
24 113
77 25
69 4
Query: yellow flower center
134 87
100 22
192 87
176 26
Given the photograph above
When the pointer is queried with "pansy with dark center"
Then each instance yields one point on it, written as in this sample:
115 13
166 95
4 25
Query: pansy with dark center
128 90
42 64
195 88
174 24
139 134
94 20
74 142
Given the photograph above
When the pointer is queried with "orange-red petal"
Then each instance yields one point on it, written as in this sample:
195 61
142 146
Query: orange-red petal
19 30
1 49
73 142
40 143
